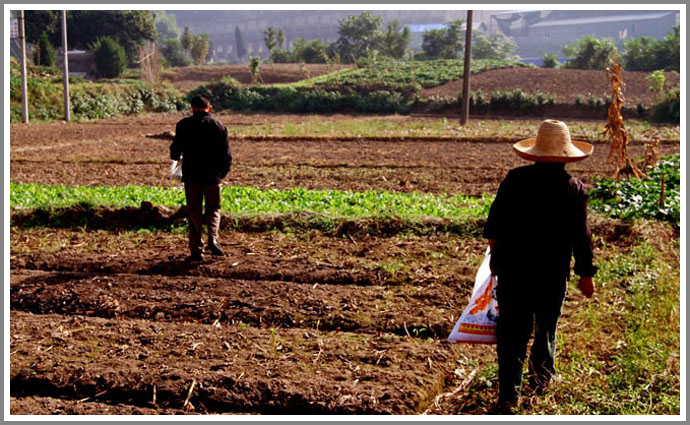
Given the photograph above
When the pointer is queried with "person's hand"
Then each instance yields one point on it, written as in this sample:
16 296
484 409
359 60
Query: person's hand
491 251
586 286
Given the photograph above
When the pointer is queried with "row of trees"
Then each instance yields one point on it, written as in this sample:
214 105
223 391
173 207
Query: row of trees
359 36
115 32
363 35
180 49
638 54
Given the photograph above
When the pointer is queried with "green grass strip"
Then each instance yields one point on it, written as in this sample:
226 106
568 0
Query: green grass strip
242 201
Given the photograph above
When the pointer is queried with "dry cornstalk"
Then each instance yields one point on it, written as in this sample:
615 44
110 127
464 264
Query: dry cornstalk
187 405
461 387
615 127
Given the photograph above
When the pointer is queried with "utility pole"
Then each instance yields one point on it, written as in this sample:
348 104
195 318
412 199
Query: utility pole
22 43
65 69
466 74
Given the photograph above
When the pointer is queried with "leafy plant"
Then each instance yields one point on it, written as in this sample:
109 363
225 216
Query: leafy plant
656 80
550 60
657 197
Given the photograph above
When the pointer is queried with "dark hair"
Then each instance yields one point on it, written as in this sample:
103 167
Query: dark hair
201 102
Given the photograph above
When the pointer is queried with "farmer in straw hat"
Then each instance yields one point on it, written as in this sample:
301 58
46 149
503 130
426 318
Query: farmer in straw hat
536 223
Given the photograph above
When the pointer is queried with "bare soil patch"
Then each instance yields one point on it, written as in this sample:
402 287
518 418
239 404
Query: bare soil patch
566 84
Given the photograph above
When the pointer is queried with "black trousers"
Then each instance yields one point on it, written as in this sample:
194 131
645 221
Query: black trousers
195 195
524 304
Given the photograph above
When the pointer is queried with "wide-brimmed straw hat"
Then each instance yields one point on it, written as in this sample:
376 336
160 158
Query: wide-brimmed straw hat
553 144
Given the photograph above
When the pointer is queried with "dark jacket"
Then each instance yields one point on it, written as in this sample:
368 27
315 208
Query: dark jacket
203 143
539 220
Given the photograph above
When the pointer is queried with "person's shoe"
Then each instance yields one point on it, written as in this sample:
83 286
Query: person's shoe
213 248
196 257
506 407
541 385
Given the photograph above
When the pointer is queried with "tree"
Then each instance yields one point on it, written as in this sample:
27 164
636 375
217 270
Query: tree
396 39
281 38
129 28
650 54
312 52
174 54
37 22
166 26
358 36
239 43
109 56
495 46
186 40
200 47
668 54
639 54
270 38
255 69
445 43
589 52
44 53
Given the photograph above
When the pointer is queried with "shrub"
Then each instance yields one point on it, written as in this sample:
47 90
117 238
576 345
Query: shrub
478 101
668 109
550 61
589 53
44 53
519 100
110 57
383 102
649 54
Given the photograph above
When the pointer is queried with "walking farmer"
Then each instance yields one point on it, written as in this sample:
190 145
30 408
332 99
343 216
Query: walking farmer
201 142
537 222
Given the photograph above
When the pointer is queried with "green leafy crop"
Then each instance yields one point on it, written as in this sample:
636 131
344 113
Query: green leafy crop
636 198
243 201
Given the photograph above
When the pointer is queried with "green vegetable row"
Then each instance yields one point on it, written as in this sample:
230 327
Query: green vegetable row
238 200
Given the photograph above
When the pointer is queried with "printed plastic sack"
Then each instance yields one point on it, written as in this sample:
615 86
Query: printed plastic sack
176 171
477 324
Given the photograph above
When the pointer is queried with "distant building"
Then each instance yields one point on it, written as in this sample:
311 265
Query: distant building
537 32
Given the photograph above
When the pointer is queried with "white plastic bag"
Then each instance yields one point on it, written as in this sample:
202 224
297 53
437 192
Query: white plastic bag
477 324
176 171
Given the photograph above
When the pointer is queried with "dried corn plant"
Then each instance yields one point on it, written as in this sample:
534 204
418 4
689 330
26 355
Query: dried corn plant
651 154
615 127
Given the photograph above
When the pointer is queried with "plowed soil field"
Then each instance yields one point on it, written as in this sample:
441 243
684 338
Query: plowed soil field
566 84
112 320
119 153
